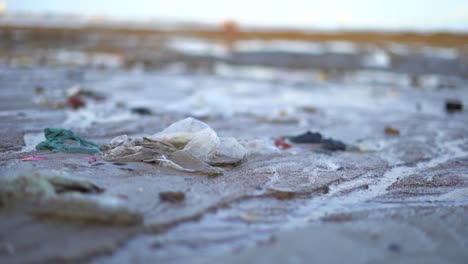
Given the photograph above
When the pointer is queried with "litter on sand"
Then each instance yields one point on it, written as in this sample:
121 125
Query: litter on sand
281 143
60 140
33 158
391 131
141 111
76 97
312 138
453 105
188 145
172 197
332 144
55 194
75 102
308 137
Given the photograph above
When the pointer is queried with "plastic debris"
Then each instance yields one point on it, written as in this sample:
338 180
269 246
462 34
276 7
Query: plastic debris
75 102
312 138
57 139
308 137
55 194
39 90
332 144
141 111
33 158
453 105
282 194
172 197
188 145
281 143
391 131
77 90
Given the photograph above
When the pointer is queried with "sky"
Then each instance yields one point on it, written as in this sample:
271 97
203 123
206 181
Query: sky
326 14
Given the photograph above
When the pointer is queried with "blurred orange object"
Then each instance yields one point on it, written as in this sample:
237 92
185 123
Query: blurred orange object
281 143
230 27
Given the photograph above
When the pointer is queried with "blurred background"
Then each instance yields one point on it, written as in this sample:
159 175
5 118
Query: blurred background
204 35
450 15
284 45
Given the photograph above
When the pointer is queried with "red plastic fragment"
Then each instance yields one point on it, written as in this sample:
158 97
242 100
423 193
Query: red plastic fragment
76 102
281 143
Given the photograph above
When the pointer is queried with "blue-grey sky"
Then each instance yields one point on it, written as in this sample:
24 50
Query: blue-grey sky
389 14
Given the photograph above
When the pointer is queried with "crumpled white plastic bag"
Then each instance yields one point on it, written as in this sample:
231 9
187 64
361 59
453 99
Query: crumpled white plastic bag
200 140
188 145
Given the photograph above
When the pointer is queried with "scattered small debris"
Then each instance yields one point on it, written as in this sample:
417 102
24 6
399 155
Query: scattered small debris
281 143
156 245
126 169
39 90
77 90
33 158
172 197
141 111
283 195
57 140
453 105
332 144
312 138
391 131
75 102
308 137
309 109
394 248
325 189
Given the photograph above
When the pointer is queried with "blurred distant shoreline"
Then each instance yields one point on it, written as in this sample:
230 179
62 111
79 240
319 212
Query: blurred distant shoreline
185 47
55 24
436 39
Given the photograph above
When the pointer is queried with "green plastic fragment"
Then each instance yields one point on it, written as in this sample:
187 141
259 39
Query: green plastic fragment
58 140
